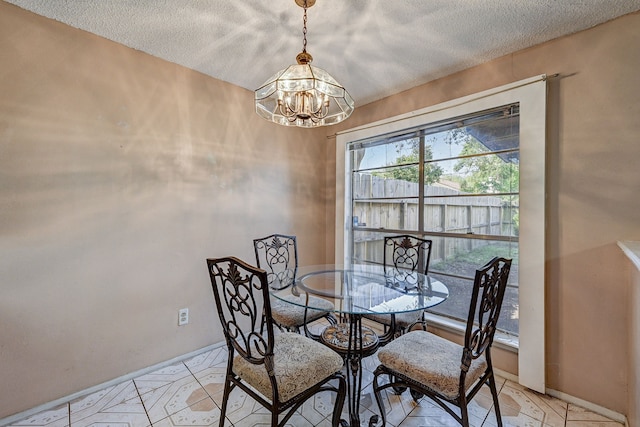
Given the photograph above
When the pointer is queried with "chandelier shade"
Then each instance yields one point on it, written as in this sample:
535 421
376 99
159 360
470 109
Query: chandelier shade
303 95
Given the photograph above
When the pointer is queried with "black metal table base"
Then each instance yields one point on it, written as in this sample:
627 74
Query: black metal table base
354 342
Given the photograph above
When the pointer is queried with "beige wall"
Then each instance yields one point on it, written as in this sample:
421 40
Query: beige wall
593 180
119 174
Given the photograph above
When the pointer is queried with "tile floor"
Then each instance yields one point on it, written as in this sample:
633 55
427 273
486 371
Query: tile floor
189 393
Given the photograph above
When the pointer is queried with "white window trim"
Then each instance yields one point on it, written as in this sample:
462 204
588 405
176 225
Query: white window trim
531 95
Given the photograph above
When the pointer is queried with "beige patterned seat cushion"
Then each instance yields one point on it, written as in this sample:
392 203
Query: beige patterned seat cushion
299 363
292 315
403 320
430 360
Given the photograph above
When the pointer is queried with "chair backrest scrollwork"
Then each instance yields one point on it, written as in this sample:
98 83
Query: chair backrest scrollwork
486 301
277 254
404 256
242 296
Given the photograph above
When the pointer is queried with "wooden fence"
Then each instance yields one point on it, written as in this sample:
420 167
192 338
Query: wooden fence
392 204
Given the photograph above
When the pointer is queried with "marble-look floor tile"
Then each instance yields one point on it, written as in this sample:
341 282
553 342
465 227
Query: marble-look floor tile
368 398
172 398
429 414
240 405
514 401
162 377
319 407
212 380
396 406
500 382
594 424
216 358
549 410
368 409
203 413
257 419
577 413
371 363
118 405
513 420
480 406
57 417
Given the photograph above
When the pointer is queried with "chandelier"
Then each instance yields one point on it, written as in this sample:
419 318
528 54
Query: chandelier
303 95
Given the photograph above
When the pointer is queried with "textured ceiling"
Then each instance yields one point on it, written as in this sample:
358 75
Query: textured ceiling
375 48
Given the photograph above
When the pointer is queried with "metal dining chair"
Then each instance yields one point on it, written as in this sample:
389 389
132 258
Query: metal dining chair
404 256
280 371
277 254
446 372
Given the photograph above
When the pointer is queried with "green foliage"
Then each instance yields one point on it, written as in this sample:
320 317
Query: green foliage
432 172
486 174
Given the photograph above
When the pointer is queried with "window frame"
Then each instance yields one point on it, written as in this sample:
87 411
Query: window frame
530 94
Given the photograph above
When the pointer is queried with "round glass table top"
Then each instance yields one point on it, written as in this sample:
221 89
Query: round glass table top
364 289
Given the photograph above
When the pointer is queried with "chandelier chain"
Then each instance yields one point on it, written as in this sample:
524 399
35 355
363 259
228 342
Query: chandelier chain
304 28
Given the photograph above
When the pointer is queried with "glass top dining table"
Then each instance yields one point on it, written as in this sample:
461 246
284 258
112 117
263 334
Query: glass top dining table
365 289
358 290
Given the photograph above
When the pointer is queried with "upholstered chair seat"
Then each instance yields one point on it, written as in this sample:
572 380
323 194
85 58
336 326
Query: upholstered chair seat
430 360
293 355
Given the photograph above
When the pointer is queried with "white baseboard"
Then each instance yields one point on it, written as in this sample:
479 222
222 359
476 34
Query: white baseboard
507 375
616 416
55 403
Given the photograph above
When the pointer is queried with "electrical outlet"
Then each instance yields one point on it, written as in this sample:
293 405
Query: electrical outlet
183 316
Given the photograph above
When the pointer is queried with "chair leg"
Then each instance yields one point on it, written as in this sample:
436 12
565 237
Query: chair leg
464 414
225 399
340 398
376 392
494 394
